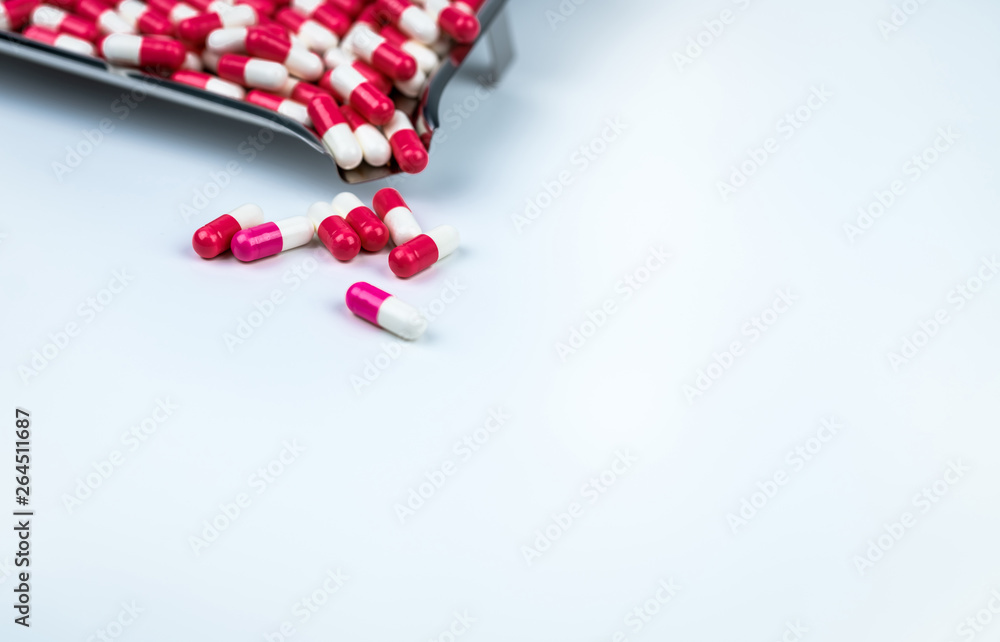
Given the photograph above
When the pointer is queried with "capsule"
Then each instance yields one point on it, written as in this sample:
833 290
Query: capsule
192 62
337 56
397 216
143 19
334 232
423 251
373 233
266 44
324 13
301 91
284 106
269 239
54 19
252 72
14 13
413 86
264 8
374 144
386 311
213 239
209 83
335 133
60 40
103 16
142 51
411 19
427 60
195 30
409 152
376 51
175 10
457 19
316 36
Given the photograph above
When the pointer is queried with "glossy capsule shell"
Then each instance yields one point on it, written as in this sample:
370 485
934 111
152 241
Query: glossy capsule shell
315 35
386 311
145 20
335 133
411 19
209 83
266 44
397 216
351 87
407 149
142 51
60 40
373 233
284 106
55 19
269 239
334 232
324 13
374 145
213 239
252 72
423 251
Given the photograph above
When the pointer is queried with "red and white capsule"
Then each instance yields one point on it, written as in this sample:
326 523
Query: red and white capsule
142 51
14 13
216 237
423 251
347 84
143 19
397 216
60 40
407 149
284 106
379 53
386 311
195 30
209 83
300 91
335 133
411 19
427 60
251 72
315 36
174 10
103 16
374 145
324 13
58 20
334 232
457 19
371 230
269 239
266 44
338 56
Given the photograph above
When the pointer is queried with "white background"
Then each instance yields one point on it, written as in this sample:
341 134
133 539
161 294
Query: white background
523 290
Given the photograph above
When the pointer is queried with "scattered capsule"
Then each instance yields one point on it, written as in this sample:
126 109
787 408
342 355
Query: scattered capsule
397 216
324 13
377 52
423 251
334 232
335 132
252 72
142 51
209 83
284 106
143 19
386 311
264 43
103 16
269 239
427 60
409 152
55 19
60 40
374 145
216 237
409 18
373 233
317 37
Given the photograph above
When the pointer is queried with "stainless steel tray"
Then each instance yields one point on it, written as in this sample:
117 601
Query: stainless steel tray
423 111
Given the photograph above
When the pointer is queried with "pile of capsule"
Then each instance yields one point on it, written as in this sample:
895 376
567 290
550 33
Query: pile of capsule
337 66
345 227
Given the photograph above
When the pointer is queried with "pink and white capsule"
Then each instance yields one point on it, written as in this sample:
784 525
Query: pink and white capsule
265 43
379 53
60 40
141 51
315 36
386 311
374 144
336 134
174 10
273 238
252 72
411 19
103 16
397 216
427 60
228 40
143 19
198 28
209 83
409 151
55 19
285 107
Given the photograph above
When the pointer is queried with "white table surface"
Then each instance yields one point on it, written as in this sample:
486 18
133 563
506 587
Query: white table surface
522 288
